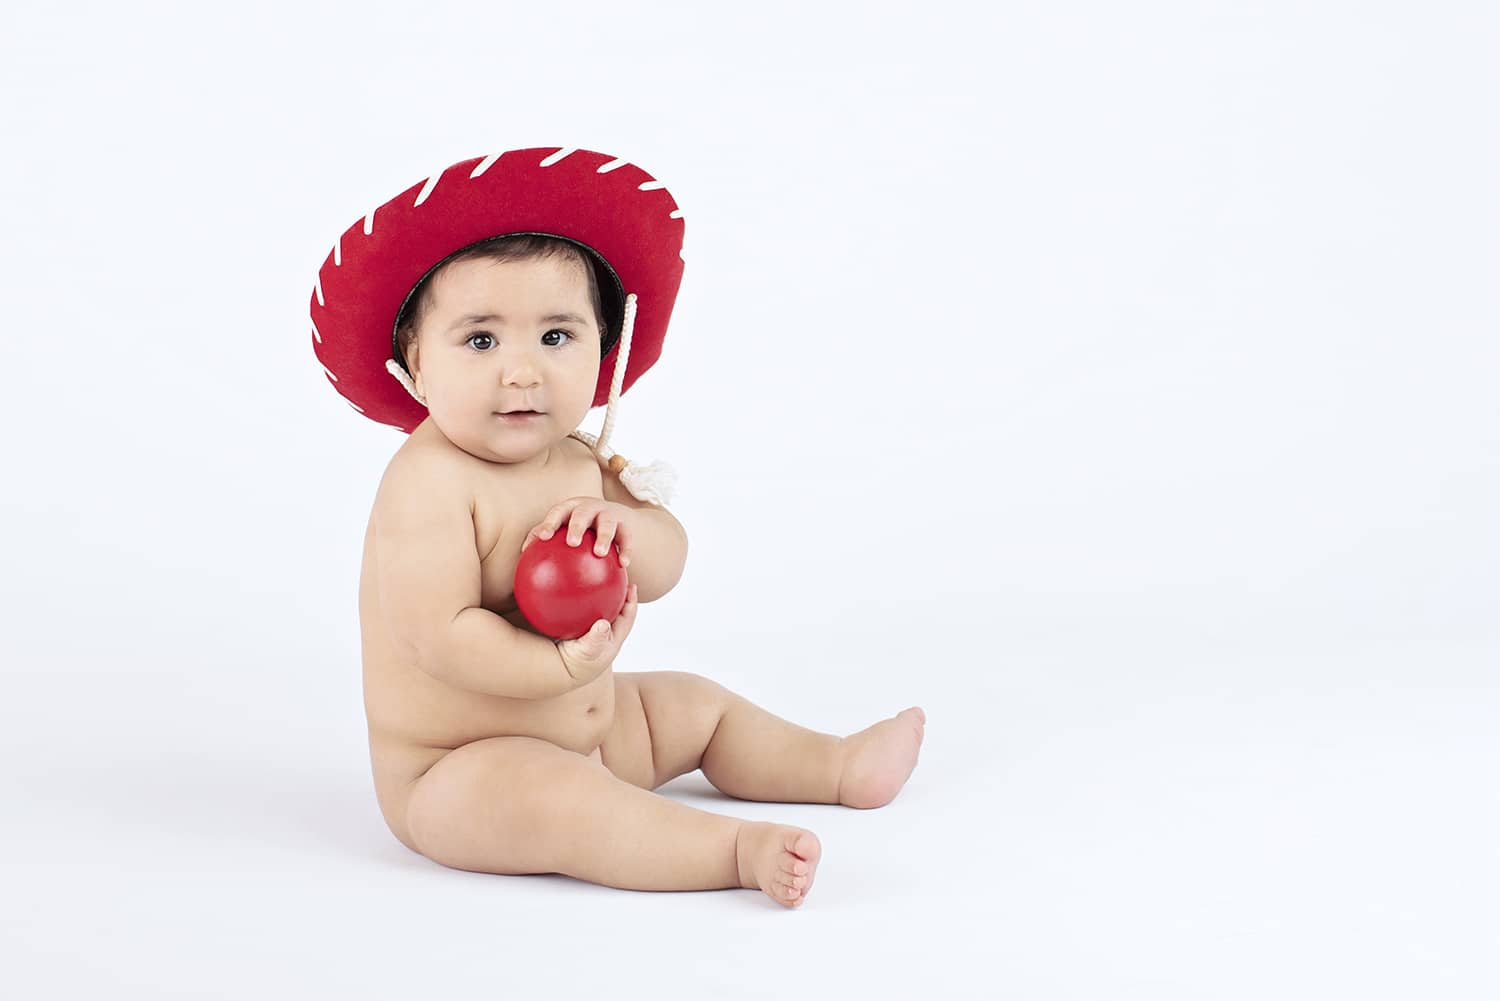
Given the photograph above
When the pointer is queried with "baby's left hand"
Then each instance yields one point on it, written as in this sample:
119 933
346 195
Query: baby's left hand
611 522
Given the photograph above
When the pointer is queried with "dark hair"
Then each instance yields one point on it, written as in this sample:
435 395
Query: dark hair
608 306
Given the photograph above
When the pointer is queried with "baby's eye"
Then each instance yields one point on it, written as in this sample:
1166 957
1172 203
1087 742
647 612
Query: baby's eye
567 336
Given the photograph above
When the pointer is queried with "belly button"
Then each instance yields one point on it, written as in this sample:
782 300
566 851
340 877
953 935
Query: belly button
590 709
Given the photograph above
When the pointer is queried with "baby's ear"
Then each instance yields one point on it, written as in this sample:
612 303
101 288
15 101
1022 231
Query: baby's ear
414 366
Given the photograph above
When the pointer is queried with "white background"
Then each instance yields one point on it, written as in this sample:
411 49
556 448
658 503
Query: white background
1115 381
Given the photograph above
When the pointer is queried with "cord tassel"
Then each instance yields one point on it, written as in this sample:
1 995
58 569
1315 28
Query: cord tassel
655 483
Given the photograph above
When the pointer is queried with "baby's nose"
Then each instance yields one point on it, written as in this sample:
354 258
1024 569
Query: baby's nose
519 372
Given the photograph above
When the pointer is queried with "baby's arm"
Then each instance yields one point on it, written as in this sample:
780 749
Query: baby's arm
429 577
659 548
482 652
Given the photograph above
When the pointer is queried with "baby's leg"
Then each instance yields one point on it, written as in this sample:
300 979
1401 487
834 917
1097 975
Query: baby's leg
518 805
749 753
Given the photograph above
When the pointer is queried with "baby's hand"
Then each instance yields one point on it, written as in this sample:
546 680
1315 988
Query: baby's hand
586 657
612 523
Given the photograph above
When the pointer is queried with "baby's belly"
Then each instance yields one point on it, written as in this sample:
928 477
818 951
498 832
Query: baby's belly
414 719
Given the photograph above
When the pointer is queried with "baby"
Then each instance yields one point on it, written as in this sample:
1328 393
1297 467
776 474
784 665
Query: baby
494 747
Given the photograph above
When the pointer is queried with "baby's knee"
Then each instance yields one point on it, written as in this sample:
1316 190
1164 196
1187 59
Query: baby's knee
686 687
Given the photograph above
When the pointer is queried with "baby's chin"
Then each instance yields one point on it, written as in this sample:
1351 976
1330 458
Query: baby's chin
532 443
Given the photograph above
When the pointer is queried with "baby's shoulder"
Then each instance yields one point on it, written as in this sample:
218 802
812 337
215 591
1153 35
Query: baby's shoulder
579 453
421 469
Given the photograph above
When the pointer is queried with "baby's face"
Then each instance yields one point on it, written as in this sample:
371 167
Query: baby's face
506 335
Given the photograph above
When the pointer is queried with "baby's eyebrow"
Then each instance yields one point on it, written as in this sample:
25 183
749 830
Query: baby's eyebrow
494 317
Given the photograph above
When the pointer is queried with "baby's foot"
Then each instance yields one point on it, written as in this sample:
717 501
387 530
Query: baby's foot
778 859
879 759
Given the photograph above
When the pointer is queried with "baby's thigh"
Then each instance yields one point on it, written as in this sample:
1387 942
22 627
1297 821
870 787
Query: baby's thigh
498 804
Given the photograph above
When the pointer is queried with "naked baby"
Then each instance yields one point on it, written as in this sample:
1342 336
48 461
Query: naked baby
505 314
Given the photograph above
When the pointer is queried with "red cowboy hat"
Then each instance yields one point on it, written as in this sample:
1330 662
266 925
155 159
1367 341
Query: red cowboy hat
621 215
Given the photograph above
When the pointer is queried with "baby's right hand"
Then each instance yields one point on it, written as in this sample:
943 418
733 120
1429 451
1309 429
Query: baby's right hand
586 657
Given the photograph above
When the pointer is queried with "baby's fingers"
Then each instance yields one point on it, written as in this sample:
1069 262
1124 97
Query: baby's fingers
623 538
604 534
580 522
537 534
626 619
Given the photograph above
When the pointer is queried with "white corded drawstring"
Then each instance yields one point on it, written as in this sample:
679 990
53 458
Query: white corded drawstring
653 484
394 367
622 359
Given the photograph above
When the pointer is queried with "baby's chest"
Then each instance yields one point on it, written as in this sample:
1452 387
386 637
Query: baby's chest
502 519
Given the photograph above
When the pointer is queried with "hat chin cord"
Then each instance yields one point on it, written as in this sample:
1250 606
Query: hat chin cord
653 484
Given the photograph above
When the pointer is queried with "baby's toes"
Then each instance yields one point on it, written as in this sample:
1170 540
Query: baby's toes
918 719
798 863
806 846
807 851
787 858
784 892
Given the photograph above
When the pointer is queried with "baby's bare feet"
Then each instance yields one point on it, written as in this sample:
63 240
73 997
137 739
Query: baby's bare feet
879 759
778 859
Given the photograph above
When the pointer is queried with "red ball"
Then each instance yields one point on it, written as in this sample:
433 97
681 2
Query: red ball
563 590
